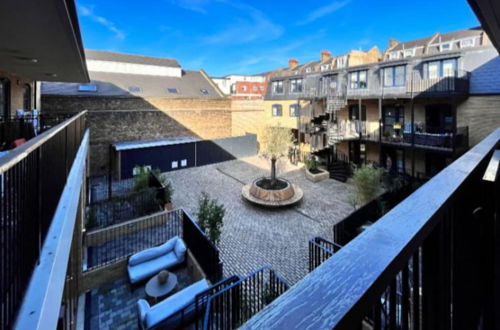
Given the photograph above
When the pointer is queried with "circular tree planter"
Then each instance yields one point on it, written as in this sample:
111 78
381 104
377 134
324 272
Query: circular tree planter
283 194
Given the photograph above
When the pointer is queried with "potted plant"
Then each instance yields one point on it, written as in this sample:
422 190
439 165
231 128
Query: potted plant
211 217
313 172
167 192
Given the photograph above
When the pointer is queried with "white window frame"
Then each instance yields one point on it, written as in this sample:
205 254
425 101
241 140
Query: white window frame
342 61
393 55
175 164
308 70
445 43
275 87
472 44
325 67
408 53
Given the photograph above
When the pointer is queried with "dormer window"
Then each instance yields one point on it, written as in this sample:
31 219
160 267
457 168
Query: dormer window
308 70
445 47
325 67
277 87
466 43
172 90
409 53
92 88
393 55
134 89
342 61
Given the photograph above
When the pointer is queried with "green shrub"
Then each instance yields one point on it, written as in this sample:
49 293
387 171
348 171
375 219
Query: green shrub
141 178
142 181
210 217
311 164
367 183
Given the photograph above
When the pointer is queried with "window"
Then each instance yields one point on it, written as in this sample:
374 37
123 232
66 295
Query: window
27 97
175 164
172 90
87 88
277 87
409 53
325 67
445 46
296 86
358 79
134 89
4 97
184 163
342 61
255 88
244 88
465 43
354 112
294 110
393 55
394 76
261 88
277 110
308 70
204 91
438 69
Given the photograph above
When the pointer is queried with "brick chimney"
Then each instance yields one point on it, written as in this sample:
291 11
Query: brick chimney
325 54
292 63
393 43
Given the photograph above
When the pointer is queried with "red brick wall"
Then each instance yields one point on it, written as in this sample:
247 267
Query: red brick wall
247 87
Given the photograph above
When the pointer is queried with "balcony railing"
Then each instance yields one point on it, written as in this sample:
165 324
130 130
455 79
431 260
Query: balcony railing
35 201
427 264
458 84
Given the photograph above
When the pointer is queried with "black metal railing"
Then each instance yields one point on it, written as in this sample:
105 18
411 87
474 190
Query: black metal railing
320 250
114 243
27 126
430 261
32 178
102 188
233 306
119 209
205 251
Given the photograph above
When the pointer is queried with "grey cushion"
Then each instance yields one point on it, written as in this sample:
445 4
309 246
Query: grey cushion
152 253
142 309
151 267
180 249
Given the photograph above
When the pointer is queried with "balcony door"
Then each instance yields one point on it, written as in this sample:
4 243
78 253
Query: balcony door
393 118
439 118
4 97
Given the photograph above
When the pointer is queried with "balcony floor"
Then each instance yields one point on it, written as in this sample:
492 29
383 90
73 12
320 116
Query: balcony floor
113 306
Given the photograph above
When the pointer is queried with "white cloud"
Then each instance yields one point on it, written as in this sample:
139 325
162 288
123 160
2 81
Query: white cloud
323 11
88 11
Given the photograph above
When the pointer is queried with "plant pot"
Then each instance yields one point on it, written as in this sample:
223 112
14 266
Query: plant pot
169 206
317 177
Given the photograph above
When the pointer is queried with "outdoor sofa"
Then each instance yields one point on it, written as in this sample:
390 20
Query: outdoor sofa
147 263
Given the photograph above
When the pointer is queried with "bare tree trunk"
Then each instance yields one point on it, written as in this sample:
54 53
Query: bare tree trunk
273 171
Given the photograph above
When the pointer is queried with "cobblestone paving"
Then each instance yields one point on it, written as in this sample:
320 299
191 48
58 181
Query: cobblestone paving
253 236
113 306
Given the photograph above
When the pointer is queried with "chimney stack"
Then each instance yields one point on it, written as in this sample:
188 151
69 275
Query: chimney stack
393 43
292 63
325 54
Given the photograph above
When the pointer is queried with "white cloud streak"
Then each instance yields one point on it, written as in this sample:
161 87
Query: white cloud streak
88 11
324 11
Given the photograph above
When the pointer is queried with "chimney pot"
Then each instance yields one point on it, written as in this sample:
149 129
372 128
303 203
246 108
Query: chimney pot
325 54
292 63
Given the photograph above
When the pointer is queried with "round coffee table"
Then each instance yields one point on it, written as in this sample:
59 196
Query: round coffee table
156 291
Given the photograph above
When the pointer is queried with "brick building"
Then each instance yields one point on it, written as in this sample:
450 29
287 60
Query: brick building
243 87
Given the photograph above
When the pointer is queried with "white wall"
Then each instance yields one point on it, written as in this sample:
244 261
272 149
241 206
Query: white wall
132 68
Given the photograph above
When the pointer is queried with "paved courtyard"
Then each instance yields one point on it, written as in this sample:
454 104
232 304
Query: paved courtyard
253 236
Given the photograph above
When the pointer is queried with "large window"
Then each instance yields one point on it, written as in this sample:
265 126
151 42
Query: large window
294 110
354 112
394 76
4 97
296 86
277 87
277 110
358 79
443 68
27 97
393 119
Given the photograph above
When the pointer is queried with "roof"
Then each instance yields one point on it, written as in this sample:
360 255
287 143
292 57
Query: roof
413 44
190 85
130 145
457 35
130 58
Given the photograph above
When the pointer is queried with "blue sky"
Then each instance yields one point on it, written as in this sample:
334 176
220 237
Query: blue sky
248 37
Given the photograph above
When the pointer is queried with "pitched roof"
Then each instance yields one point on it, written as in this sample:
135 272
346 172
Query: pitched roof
462 34
190 85
413 43
130 58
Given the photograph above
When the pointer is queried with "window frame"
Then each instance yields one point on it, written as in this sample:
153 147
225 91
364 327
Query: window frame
353 108
440 68
445 43
279 110
393 55
294 110
204 91
358 81
394 75
27 102
277 87
411 54
172 90
472 40
294 84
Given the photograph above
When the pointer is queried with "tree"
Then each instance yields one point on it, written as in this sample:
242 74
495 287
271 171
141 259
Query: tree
367 183
211 216
275 142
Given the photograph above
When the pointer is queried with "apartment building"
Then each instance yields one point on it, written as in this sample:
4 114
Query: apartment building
288 87
242 87
413 110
